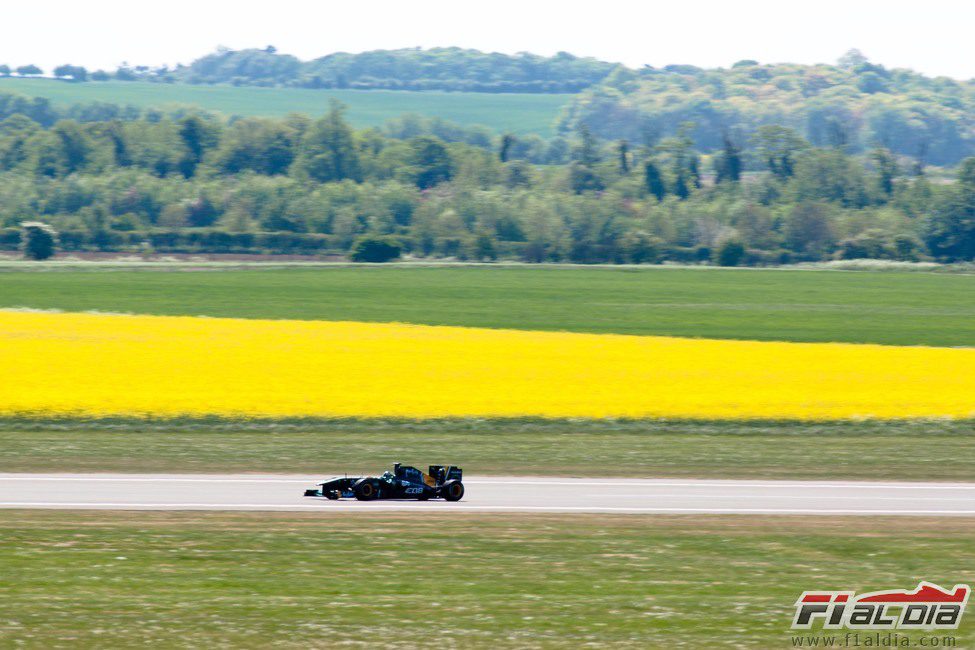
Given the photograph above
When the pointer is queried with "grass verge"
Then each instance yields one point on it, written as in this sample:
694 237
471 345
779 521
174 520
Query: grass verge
877 450
117 579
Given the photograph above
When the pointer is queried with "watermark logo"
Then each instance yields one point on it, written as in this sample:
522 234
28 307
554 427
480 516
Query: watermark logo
928 607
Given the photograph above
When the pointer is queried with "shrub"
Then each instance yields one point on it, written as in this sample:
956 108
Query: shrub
164 241
730 253
375 250
760 257
641 248
484 249
106 240
73 240
38 240
871 244
907 247
682 255
219 241
10 239
291 243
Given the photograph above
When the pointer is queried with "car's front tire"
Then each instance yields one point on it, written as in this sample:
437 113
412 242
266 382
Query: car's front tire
453 490
365 490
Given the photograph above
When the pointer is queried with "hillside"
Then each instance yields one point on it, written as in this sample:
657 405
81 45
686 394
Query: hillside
522 113
855 104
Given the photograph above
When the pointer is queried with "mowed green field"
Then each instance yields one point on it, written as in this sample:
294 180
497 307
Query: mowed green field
864 450
516 113
893 308
151 579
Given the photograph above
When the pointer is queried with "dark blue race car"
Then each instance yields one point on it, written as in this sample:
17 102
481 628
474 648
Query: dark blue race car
404 482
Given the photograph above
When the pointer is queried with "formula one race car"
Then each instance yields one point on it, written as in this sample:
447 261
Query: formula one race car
404 482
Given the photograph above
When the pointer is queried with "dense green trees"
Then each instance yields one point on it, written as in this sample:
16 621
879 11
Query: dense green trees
71 72
450 69
29 70
950 231
259 145
196 137
654 180
327 152
410 69
251 67
728 164
429 163
854 105
194 183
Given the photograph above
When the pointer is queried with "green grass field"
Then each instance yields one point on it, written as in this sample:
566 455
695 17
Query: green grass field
896 308
515 113
120 580
930 451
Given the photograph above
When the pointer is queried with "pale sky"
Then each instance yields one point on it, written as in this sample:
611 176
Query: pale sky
936 37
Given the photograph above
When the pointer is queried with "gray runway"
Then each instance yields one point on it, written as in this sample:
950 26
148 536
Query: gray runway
492 494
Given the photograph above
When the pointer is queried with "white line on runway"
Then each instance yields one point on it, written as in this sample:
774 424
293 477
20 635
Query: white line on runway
630 483
610 495
125 479
739 483
472 508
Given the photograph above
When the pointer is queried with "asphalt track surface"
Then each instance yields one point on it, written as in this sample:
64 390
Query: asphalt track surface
491 494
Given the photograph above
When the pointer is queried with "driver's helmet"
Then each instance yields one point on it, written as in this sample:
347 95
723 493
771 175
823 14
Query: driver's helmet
387 476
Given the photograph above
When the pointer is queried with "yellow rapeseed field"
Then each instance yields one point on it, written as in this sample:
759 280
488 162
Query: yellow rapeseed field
96 365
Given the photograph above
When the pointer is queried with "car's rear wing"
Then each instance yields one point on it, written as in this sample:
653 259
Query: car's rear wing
443 473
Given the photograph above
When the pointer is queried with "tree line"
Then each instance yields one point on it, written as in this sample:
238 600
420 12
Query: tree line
855 104
450 69
196 183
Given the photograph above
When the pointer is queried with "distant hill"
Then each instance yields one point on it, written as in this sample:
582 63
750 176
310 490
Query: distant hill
855 104
451 68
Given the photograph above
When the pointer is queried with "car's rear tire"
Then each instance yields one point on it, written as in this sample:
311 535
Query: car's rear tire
453 490
364 490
